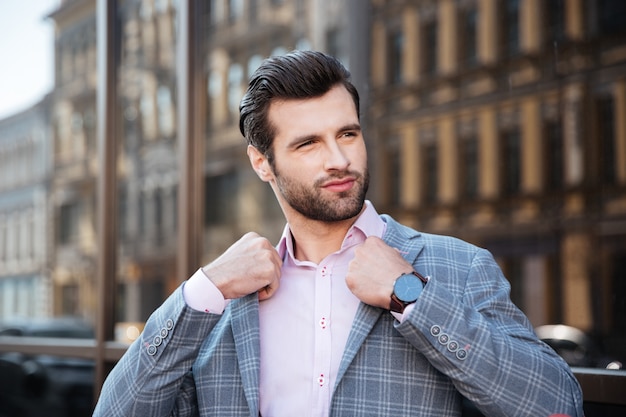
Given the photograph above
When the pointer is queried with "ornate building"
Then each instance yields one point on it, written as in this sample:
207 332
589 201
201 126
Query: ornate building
74 168
24 218
504 122
498 121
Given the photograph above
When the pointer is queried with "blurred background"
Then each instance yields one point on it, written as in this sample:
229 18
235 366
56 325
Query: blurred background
502 122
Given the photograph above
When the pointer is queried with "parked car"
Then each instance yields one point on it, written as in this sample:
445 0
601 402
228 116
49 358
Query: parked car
576 347
45 385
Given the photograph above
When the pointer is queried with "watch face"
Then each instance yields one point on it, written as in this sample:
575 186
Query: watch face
407 288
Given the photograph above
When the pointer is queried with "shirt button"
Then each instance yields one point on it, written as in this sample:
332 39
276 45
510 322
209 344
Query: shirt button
323 323
321 380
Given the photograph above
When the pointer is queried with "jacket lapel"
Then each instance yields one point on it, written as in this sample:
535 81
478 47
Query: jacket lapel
404 239
245 325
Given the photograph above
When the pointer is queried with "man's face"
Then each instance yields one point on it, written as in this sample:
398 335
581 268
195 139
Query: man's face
320 160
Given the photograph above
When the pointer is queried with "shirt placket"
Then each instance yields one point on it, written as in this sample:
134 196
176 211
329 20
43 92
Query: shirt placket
322 354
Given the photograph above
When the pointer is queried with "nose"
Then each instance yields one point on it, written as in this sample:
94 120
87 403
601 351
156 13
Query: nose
336 157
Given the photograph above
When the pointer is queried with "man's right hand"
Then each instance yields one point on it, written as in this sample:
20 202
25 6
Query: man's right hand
251 264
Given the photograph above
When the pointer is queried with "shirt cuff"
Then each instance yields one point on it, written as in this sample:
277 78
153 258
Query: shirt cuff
407 310
202 295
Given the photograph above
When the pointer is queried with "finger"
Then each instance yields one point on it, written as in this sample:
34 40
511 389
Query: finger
268 291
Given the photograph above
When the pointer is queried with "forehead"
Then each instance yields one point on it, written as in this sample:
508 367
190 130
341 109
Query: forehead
300 116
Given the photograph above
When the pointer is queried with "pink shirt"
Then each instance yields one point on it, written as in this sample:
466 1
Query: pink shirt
304 326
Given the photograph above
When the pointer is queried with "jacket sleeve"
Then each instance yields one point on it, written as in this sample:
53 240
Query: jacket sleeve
473 333
153 377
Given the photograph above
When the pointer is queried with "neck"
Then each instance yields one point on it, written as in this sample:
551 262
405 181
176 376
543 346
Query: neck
315 240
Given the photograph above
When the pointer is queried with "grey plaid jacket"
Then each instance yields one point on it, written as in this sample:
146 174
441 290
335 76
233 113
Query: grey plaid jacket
463 338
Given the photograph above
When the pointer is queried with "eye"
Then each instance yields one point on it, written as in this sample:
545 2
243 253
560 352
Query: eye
349 134
304 144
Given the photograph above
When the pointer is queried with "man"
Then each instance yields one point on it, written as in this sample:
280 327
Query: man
352 314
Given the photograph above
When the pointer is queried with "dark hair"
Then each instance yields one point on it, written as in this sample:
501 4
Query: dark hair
296 75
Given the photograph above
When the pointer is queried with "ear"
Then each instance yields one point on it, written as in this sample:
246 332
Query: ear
260 164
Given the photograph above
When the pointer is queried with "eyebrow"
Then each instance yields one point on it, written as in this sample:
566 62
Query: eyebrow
305 138
352 126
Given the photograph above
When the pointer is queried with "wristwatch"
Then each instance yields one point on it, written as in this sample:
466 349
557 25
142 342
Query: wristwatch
406 289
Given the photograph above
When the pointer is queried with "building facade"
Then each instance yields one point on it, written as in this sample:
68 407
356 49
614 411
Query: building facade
25 165
504 122
498 121
72 194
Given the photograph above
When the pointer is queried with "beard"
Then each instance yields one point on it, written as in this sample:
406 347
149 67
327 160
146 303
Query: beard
312 204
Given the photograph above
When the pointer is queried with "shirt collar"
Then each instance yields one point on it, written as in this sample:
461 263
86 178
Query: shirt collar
367 224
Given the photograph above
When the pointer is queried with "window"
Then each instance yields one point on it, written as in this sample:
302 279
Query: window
429 47
611 17
3 239
158 217
214 84
279 51
253 63
511 29
468 171
27 232
122 213
430 173
394 60
235 80
220 204
146 10
69 216
70 300
216 11
606 139
235 10
510 163
303 44
617 266
143 216
512 267
554 155
332 42
253 10
160 6
555 21
148 115
469 35
166 111
393 163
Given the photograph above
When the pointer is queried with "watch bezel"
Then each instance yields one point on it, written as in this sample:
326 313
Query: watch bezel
405 291
397 304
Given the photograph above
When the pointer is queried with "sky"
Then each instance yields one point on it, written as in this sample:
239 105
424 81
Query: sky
26 53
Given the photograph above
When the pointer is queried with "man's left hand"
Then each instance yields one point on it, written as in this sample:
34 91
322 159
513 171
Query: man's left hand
374 270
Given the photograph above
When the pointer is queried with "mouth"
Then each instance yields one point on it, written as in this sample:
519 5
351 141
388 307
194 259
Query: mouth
340 185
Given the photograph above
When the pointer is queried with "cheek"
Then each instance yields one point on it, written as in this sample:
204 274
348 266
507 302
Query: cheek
359 158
